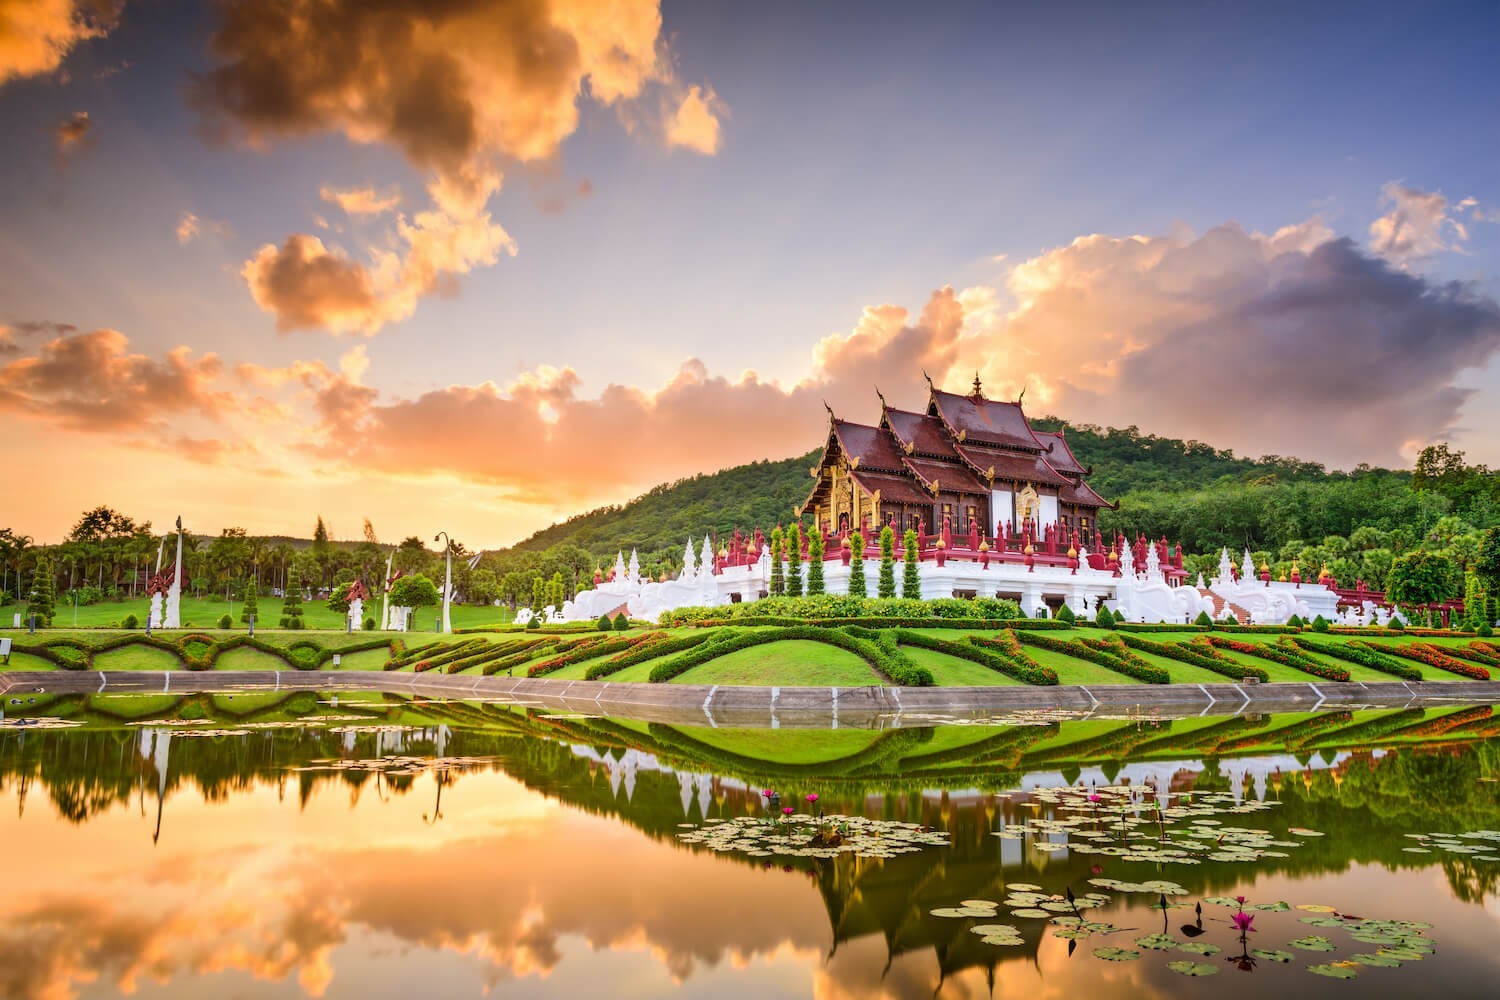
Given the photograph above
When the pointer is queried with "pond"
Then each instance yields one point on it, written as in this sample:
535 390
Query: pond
286 844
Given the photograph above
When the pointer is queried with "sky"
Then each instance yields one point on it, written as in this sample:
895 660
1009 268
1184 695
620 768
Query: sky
478 267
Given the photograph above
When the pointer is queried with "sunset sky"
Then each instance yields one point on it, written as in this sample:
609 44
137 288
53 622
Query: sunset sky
480 266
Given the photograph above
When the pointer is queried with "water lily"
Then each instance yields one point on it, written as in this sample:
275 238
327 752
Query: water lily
812 797
1243 922
787 810
1240 900
769 792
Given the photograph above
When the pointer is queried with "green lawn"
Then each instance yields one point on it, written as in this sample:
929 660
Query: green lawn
204 613
788 746
791 663
950 671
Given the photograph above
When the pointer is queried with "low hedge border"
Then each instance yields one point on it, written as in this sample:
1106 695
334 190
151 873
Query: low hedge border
300 655
1011 663
1434 657
1198 656
585 649
657 644
1477 652
969 624
1096 651
888 662
1287 656
1363 654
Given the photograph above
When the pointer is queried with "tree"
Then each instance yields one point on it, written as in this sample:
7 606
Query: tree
815 562
778 570
320 537
100 524
370 533
482 589
515 587
415 591
538 594
1487 563
411 554
794 560
911 574
251 605
887 584
338 598
857 586
42 601
1421 577
291 601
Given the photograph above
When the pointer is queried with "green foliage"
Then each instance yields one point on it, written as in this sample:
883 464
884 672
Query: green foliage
604 624
857 584
1203 619
794 560
1421 577
1065 614
43 598
414 591
911 576
887 584
1487 561
369 623
483 587
621 623
252 603
130 622
225 622
1104 618
1485 630
291 604
815 553
778 568
338 598
1320 624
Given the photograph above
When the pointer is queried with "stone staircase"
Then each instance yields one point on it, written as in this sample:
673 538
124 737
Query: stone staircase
1240 614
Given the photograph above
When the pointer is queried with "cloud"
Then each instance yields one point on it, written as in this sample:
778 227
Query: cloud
37 35
695 125
92 382
190 227
460 88
363 200
1417 224
306 285
71 132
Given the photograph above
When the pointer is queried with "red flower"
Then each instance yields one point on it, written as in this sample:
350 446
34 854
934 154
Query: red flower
786 810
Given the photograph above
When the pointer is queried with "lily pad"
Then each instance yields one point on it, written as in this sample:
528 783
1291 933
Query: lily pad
951 912
1117 954
1026 887
1332 971
1379 961
1030 913
983 929
1003 940
1315 908
1157 942
1272 955
1312 942
1189 968
1198 948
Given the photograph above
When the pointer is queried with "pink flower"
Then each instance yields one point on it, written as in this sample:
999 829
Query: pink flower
769 792
786 810
1240 900
813 797
1242 921
1095 799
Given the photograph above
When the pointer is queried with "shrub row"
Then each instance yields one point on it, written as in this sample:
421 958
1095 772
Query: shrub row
195 650
449 654
1160 627
585 649
1479 653
1374 729
883 652
1297 732
1434 657
843 606
655 644
1287 656
1363 654
1447 723
881 621
987 653
1199 656
888 661
1101 653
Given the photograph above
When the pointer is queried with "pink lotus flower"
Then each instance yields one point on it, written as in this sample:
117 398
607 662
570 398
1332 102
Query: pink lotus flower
1240 900
769 792
786 810
813 797
1242 921
1095 799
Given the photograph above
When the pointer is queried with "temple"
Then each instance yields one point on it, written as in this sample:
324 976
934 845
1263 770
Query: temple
966 463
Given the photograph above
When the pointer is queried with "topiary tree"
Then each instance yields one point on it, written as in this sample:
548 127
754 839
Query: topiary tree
603 624
621 622
1320 624
887 585
815 562
1203 619
338 598
291 601
857 566
794 560
778 569
251 605
1065 614
911 575
1294 621
131 621
42 602
1487 562
538 594
369 623
225 621
415 591
1104 618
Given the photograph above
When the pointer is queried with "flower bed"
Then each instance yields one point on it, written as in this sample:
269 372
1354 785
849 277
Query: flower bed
1364 654
882 621
1445 723
1287 656
1096 651
987 653
656 644
1297 732
1199 656
1479 653
888 661
585 649
1434 657
1365 732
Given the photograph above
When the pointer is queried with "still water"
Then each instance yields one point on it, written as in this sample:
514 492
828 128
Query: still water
287 845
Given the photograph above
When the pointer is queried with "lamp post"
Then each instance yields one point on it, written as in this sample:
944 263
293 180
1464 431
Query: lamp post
446 625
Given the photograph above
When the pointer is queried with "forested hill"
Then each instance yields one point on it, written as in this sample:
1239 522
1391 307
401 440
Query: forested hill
1167 487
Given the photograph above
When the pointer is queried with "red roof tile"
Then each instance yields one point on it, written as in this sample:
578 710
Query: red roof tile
893 489
950 476
1082 495
986 421
925 434
871 445
1008 465
1061 456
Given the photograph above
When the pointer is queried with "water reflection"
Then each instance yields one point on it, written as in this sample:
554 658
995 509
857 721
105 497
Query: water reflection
274 847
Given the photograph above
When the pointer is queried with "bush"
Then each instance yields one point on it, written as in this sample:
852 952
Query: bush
1104 619
1320 624
1397 623
535 622
794 560
285 622
1363 654
1484 631
369 623
1287 656
291 603
887 585
1434 657
621 622
815 553
1294 621
252 604
604 624
1110 654
1203 619
225 622
857 585
131 621
994 653
1199 656
1065 614
911 574
886 659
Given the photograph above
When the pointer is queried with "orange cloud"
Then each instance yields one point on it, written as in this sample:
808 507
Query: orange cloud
362 200
695 125
459 88
92 382
37 35
71 132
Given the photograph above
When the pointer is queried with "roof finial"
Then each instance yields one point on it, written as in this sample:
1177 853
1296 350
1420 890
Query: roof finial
883 404
978 391
1022 396
929 379
829 409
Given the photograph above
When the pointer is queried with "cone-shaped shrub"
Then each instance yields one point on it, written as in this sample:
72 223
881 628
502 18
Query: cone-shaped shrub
911 576
887 586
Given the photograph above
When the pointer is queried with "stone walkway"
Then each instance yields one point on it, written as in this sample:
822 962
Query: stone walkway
775 707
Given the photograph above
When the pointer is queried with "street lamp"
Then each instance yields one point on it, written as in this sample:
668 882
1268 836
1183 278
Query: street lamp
446 624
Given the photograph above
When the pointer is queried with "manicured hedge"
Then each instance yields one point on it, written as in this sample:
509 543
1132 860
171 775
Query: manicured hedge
1434 657
966 624
801 609
889 662
1199 656
1160 627
1479 653
1103 654
1287 656
195 650
1446 723
656 645
1363 654
986 653
585 649
1374 729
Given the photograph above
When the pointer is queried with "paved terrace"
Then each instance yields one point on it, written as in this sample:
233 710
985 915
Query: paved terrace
871 707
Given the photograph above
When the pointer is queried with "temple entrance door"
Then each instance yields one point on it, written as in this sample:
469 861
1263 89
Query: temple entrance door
843 523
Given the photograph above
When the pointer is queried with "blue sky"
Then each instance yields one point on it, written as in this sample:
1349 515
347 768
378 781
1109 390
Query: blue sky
864 155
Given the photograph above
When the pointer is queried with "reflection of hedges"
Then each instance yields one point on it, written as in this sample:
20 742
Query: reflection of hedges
1365 732
1014 740
884 657
1446 723
1112 745
1296 733
1207 736
886 748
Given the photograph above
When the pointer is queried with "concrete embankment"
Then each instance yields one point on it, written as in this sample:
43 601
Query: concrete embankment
791 707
